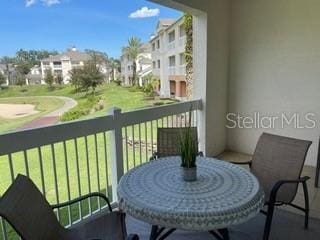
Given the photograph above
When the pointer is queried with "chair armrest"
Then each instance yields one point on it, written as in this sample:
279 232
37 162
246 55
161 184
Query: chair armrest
81 198
280 183
133 237
154 156
200 154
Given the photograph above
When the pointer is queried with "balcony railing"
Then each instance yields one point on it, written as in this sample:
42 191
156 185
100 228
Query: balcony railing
172 70
182 70
72 159
171 45
182 41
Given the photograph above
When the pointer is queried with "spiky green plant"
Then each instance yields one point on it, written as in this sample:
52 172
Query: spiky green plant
188 147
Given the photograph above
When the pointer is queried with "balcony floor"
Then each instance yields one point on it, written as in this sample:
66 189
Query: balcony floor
286 225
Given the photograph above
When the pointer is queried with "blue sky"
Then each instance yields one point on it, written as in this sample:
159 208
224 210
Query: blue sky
103 25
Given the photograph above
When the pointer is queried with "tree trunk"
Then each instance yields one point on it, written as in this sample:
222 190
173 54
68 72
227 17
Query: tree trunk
134 73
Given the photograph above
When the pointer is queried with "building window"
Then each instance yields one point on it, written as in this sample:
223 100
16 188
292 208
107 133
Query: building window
153 46
172 61
158 44
129 68
57 63
154 64
172 36
182 30
182 59
158 63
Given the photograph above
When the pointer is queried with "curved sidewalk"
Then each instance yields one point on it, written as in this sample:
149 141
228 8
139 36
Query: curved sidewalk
52 117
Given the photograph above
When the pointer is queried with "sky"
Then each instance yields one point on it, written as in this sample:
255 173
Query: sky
104 25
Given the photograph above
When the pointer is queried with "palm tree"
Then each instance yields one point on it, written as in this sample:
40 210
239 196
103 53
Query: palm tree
115 67
132 51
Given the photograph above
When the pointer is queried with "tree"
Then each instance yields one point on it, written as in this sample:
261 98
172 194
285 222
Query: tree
58 78
77 78
48 77
7 61
189 53
87 77
22 68
21 79
92 77
115 65
33 57
98 57
132 51
2 79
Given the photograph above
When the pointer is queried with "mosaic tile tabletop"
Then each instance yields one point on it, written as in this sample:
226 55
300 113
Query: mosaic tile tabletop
223 195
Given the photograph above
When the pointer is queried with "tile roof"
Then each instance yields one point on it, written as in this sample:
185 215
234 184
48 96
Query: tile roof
74 55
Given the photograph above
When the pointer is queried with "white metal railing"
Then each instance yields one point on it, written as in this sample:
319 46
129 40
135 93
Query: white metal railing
172 70
72 159
171 45
182 70
182 41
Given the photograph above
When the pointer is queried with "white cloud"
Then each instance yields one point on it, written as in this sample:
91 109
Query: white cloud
29 3
47 3
50 2
145 12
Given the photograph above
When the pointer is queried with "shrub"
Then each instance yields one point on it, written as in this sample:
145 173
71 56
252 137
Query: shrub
74 114
93 104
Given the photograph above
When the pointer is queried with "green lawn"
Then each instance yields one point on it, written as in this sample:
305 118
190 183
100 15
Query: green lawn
113 95
92 163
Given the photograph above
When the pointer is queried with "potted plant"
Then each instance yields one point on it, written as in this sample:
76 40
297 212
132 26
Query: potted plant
188 152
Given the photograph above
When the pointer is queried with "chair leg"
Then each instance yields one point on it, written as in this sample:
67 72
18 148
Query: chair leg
267 226
306 199
153 233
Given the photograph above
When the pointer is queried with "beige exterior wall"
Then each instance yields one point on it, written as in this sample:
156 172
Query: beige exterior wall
211 52
275 66
174 48
261 56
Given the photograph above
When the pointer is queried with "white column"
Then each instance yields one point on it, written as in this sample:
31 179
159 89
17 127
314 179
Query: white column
116 152
200 74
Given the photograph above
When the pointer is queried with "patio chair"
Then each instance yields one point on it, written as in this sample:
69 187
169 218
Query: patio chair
168 141
32 217
277 163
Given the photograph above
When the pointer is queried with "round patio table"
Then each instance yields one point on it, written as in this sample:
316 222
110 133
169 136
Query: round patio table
223 195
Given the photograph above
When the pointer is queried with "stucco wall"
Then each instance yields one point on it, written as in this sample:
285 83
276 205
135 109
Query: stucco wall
211 52
274 66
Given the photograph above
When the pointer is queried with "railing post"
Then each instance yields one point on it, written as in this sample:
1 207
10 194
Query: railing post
116 152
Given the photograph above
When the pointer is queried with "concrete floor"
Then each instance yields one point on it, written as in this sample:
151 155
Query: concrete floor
314 193
285 226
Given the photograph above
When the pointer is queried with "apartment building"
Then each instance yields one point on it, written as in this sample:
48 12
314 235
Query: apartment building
143 65
168 57
34 76
63 63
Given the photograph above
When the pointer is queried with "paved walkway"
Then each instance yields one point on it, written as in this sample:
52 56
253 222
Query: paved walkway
53 117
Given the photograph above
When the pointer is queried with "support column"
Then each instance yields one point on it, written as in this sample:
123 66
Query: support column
116 153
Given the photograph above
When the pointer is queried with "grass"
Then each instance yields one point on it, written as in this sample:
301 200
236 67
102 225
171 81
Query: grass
112 95
90 155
